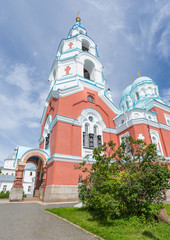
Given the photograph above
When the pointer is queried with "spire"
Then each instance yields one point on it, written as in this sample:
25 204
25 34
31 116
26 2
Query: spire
78 19
139 74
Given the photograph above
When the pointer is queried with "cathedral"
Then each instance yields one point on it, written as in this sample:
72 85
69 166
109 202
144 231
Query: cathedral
79 115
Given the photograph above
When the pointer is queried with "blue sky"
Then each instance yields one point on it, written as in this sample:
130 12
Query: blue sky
131 35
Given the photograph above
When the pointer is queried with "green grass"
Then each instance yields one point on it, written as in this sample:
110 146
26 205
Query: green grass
123 229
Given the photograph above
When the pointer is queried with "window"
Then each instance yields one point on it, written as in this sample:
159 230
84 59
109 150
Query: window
99 141
29 188
54 74
4 188
6 173
123 121
86 74
89 69
47 139
86 136
127 104
155 140
86 128
95 129
90 99
85 49
30 173
137 95
91 119
85 45
91 140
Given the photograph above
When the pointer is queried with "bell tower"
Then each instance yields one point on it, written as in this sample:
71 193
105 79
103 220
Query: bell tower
78 112
77 61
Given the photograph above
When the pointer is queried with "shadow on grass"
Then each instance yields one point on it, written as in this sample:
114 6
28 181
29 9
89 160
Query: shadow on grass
150 235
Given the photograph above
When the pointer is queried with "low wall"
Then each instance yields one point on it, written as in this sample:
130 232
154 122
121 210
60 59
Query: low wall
61 193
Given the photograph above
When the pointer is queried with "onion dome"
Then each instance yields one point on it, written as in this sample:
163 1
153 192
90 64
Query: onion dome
126 92
142 80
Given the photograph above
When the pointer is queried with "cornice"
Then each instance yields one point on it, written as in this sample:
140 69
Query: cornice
68 158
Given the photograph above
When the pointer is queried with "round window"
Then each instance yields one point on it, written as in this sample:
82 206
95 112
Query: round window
91 119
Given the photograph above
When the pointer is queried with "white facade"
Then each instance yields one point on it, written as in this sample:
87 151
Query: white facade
8 174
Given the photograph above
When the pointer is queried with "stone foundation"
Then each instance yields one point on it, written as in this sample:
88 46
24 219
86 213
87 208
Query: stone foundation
41 190
168 195
16 194
61 193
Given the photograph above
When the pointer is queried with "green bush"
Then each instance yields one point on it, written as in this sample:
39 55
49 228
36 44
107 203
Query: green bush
124 182
24 195
4 194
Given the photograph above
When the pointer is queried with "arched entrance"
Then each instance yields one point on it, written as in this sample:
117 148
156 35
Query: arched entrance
38 158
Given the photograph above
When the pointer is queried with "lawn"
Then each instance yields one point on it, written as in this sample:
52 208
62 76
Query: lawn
131 229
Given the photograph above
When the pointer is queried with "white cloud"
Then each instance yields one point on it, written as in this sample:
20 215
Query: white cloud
20 75
33 124
23 105
165 93
163 47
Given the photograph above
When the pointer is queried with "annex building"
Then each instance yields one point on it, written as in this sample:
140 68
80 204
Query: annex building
79 115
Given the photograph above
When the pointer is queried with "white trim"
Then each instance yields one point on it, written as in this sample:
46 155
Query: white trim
69 158
41 139
167 118
142 121
33 151
154 103
109 103
78 122
154 133
69 120
109 130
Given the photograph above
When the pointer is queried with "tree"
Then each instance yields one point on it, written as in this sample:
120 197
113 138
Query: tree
124 181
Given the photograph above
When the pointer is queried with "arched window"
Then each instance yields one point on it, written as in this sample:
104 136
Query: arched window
47 140
85 45
156 141
95 130
86 128
86 135
127 104
91 137
137 95
155 91
54 74
46 133
90 99
88 69
86 74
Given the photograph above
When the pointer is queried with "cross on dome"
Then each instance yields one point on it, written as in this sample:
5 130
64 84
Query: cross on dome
78 19
139 74
67 69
